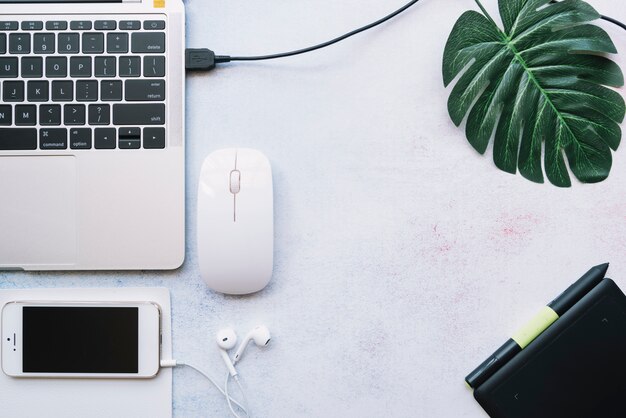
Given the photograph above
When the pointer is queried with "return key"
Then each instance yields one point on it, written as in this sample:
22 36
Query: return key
145 90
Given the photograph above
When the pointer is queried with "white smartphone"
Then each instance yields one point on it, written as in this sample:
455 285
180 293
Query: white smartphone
81 339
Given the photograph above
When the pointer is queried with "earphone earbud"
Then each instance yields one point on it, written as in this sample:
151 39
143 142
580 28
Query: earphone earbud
226 340
261 337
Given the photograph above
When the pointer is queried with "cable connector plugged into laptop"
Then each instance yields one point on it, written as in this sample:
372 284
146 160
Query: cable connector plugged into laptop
202 59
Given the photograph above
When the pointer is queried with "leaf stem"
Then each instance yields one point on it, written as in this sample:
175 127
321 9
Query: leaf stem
487 15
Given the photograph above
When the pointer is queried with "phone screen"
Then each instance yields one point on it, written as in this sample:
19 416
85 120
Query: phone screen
80 339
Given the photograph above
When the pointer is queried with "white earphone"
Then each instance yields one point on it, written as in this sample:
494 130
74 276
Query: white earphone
226 340
261 337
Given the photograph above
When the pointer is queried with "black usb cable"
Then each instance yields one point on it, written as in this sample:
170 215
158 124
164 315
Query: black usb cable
203 59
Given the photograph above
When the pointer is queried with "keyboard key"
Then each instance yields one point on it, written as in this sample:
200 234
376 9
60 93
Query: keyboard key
130 25
25 115
148 43
8 67
99 114
56 67
62 91
6 116
154 24
3 43
68 43
80 138
129 138
32 25
105 25
111 91
44 43
18 139
32 67
13 91
105 138
80 25
130 133
8 25
130 67
154 66
50 115
93 43
106 66
117 43
74 115
19 43
87 91
139 114
129 143
56 25
53 138
38 91
154 138
145 90
80 67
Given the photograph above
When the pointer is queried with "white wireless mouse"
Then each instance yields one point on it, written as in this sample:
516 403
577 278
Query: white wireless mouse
236 221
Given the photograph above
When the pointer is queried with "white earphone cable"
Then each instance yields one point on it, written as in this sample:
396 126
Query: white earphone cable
229 399
243 393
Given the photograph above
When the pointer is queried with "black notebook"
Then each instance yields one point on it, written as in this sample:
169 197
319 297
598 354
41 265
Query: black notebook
575 369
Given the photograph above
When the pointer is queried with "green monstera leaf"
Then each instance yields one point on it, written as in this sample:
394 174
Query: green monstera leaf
538 88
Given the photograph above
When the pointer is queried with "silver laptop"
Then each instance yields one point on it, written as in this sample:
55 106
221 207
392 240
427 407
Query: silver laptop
91 134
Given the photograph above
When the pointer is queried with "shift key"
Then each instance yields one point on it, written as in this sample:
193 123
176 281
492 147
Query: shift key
139 114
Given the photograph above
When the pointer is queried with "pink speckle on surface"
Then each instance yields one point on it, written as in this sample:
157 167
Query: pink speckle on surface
442 243
519 227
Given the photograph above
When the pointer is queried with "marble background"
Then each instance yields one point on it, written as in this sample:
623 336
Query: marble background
403 257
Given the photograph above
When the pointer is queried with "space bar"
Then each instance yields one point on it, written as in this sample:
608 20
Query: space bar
16 139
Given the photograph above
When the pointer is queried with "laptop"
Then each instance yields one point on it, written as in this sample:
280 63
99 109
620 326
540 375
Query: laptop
92 134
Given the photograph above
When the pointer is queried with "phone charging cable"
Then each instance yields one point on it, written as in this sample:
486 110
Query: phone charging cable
224 391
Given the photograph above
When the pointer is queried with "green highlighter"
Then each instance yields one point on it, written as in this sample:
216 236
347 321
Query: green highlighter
542 321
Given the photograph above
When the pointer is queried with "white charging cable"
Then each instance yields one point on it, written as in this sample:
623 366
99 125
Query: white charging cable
229 399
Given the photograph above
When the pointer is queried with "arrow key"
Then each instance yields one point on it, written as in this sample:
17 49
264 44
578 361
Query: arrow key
129 138
130 133
154 138
129 144
105 138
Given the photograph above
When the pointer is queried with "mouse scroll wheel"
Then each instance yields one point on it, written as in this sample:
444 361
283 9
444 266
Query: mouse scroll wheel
235 181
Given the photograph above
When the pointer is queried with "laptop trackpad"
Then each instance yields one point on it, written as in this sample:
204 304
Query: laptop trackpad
38 211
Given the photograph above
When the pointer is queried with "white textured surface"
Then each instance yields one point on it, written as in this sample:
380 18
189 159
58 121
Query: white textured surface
403 258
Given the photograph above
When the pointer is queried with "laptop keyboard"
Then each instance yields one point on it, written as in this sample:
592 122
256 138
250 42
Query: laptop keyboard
82 84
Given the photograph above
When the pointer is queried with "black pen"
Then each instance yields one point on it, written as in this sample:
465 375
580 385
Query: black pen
542 321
